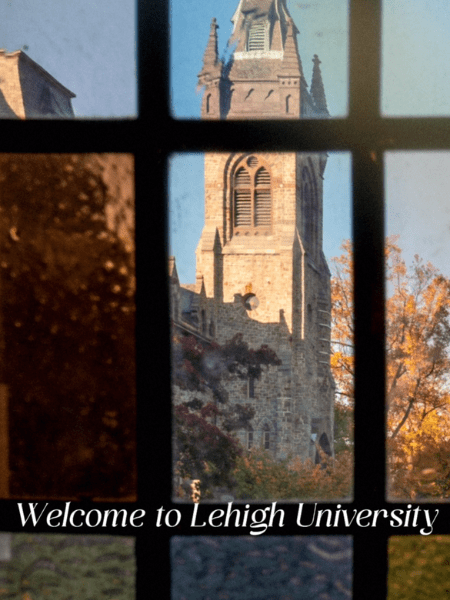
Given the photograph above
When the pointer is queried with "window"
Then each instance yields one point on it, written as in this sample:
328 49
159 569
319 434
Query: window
258 36
288 104
367 135
251 387
249 439
252 197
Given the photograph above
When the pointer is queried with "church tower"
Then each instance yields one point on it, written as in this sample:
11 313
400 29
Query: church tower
263 79
260 260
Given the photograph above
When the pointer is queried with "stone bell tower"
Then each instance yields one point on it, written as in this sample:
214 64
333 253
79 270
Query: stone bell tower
263 78
260 257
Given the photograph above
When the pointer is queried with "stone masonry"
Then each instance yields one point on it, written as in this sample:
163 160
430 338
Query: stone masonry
27 91
261 271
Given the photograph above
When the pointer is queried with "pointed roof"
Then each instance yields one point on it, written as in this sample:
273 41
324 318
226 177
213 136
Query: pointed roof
249 11
173 274
211 63
292 64
260 8
29 91
317 90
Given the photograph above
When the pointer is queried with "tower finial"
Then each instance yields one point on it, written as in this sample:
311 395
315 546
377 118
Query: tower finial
211 56
317 90
210 76
292 63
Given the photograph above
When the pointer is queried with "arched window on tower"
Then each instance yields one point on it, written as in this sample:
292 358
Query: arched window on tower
288 104
252 197
258 36
208 103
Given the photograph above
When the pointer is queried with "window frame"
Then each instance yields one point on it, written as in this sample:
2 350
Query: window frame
367 135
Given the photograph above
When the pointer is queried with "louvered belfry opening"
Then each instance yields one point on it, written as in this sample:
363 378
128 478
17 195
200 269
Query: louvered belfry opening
257 36
262 198
242 199
252 211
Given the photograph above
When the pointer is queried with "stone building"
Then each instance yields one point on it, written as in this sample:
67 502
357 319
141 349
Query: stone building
27 91
261 270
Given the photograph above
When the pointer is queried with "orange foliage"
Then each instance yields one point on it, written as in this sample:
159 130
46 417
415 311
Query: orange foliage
417 367
260 477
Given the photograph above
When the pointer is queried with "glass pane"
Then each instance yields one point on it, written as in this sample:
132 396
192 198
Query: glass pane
261 73
67 278
57 49
418 324
415 58
261 372
418 567
67 566
274 568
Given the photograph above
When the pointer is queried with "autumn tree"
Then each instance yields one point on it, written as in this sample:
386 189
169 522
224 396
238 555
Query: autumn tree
342 358
259 476
417 365
204 447
418 368
67 280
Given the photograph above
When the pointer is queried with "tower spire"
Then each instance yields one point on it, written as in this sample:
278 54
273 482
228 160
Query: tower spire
292 63
263 77
317 89
211 55
210 76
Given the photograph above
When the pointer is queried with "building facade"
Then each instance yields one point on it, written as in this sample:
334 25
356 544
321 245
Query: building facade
261 271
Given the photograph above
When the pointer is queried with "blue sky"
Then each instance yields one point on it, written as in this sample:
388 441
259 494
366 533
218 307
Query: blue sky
416 57
415 81
90 47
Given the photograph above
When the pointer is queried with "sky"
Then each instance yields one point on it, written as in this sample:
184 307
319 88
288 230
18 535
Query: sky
89 47
416 58
415 82
323 29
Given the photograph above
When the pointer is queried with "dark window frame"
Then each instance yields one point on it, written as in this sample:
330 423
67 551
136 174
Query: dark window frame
366 134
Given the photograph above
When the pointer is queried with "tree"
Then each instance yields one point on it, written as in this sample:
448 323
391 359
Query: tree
204 447
342 359
417 366
259 477
68 329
